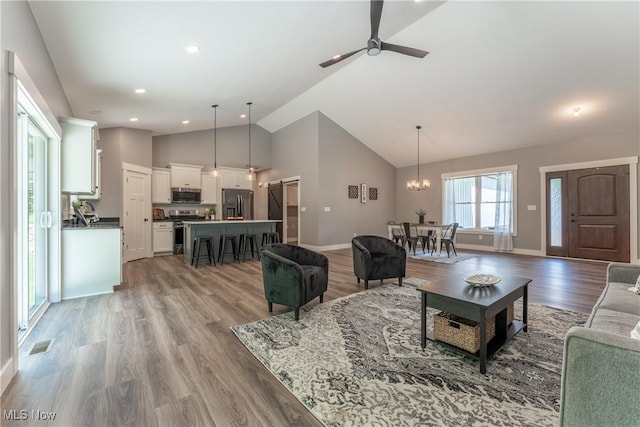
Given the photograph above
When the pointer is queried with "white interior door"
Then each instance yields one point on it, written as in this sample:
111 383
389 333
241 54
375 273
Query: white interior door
136 212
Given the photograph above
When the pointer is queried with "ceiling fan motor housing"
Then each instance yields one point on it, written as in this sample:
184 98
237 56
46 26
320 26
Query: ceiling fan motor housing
373 47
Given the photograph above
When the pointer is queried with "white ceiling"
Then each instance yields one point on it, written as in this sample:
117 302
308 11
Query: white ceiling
500 75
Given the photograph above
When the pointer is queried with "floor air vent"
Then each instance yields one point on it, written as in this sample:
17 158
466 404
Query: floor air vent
40 347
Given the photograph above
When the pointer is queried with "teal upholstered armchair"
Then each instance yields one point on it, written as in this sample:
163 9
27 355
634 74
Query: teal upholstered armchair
293 275
376 257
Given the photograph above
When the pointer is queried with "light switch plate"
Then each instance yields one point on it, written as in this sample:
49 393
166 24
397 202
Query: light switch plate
531 207
303 209
327 208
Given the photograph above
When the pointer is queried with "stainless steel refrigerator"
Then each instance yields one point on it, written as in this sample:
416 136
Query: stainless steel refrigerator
237 203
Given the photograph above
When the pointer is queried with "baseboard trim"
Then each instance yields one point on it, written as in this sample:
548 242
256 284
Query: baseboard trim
6 375
91 295
327 247
516 251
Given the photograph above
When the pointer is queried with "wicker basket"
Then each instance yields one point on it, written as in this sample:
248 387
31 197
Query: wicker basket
509 314
460 332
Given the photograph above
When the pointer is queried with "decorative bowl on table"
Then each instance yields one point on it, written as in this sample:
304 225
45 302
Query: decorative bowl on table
482 280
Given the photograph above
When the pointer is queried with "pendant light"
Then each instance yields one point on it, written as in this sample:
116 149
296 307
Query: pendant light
250 171
416 184
215 140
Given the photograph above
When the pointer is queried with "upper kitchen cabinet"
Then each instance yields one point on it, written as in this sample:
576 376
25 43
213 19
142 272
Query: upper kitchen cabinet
98 187
78 156
235 178
160 186
209 189
185 176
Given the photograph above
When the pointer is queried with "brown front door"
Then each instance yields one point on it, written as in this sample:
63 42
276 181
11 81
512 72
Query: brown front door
595 222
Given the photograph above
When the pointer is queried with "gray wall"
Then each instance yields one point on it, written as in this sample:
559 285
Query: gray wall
295 153
21 35
328 159
196 148
120 145
345 161
529 160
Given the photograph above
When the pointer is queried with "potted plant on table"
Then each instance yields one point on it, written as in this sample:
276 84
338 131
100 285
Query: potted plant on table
421 213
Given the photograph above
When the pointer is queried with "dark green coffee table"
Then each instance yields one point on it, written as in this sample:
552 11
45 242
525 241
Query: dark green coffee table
457 297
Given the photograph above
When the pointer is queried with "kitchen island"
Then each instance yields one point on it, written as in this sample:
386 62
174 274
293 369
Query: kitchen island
215 229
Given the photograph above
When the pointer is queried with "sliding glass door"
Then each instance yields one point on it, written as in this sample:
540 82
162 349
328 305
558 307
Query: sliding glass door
35 219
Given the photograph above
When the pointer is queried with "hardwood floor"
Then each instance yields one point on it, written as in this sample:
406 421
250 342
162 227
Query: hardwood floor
159 351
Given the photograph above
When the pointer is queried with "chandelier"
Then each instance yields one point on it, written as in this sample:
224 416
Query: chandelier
215 142
416 184
250 174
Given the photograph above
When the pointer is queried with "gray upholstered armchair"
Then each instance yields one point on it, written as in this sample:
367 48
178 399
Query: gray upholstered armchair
376 257
293 275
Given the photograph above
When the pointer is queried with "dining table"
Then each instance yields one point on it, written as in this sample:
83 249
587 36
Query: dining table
422 230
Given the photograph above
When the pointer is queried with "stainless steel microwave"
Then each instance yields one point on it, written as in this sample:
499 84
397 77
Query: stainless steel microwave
185 195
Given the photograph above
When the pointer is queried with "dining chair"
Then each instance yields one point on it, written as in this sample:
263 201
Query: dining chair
447 239
413 239
427 240
397 234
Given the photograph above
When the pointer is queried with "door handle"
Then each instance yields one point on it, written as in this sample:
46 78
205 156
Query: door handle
146 219
42 223
49 219
573 220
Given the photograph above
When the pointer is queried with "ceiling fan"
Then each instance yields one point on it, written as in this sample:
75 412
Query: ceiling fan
374 44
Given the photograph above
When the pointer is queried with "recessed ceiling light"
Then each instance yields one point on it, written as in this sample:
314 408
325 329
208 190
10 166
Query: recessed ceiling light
576 111
242 116
185 122
133 119
193 48
140 90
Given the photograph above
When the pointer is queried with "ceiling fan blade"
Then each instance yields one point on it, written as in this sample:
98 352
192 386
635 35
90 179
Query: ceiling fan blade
339 58
404 50
376 13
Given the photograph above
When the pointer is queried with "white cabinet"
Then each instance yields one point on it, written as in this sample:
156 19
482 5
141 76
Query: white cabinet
162 237
209 194
91 261
235 178
185 176
98 179
78 156
160 186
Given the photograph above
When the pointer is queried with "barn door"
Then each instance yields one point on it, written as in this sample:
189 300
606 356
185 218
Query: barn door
274 205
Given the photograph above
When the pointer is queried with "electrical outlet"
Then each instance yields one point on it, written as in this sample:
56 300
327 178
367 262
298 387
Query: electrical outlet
355 234
327 208
303 209
479 236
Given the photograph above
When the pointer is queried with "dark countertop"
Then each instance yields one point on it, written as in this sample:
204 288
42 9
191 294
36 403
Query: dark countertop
102 224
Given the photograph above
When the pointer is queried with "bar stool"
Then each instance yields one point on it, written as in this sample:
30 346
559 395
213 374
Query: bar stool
195 250
224 239
252 240
270 237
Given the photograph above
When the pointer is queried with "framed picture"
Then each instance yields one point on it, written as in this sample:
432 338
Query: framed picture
363 193
353 191
373 193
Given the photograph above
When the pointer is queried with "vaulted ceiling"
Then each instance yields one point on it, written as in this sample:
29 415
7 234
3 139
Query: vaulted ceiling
499 75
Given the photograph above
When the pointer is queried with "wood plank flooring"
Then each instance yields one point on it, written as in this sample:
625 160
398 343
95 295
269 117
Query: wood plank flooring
159 350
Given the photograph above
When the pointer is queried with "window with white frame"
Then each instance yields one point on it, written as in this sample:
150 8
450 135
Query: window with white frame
481 200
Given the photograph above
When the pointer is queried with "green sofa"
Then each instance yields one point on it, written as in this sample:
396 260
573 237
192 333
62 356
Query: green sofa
601 362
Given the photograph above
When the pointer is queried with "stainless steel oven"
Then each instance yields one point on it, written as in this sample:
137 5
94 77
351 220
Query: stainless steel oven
178 216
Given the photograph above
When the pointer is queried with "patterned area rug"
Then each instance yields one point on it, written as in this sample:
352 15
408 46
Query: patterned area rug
442 258
357 361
